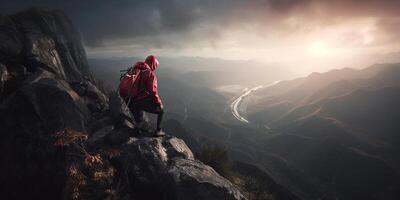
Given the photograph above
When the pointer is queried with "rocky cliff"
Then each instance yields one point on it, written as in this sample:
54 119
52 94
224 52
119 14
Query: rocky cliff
63 138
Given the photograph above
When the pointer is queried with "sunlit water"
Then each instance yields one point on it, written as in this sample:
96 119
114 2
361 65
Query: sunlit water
237 102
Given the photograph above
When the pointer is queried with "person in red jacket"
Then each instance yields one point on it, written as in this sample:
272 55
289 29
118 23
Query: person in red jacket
145 93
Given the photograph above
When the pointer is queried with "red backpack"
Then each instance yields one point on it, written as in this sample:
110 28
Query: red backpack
128 87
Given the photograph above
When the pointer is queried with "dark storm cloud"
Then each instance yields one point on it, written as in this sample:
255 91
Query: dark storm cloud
106 20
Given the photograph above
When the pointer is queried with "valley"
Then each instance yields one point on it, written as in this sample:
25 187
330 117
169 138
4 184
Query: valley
287 128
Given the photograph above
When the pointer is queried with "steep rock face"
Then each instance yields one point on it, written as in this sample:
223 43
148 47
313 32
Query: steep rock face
45 87
26 34
61 137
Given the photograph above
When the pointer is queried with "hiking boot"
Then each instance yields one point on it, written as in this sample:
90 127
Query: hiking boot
159 133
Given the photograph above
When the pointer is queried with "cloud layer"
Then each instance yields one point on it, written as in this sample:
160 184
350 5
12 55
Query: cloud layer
105 20
202 26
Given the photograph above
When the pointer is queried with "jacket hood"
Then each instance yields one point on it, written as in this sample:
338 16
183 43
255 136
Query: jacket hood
152 61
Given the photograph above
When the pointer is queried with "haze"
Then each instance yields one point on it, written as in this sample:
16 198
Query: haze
304 35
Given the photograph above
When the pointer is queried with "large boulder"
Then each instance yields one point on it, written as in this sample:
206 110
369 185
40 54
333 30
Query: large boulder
51 36
42 39
165 168
119 112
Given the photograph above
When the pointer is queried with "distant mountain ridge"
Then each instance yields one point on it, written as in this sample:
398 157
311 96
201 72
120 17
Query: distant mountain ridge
340 128
291 94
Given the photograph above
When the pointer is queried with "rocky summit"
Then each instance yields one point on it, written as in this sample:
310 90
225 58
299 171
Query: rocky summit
63 138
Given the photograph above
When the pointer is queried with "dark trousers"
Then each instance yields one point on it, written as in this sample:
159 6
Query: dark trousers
138 107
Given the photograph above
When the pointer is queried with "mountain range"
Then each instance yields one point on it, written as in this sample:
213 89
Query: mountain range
338 127
330 135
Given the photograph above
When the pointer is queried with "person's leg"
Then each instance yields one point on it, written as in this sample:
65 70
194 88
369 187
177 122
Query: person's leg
137 111
155 109
159 112
160 115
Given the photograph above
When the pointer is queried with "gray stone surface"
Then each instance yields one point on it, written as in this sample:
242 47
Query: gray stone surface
165 168
40 55
120 112
3 77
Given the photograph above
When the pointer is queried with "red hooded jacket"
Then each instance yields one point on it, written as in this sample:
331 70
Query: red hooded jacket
145 84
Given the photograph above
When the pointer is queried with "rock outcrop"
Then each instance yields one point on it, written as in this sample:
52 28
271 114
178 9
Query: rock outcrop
162 168
61 137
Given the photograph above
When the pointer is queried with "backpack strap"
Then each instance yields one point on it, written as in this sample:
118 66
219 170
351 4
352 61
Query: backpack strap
125 72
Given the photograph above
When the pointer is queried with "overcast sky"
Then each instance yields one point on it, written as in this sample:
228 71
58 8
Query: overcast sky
317 34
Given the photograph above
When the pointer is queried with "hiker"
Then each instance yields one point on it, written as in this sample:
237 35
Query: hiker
139 90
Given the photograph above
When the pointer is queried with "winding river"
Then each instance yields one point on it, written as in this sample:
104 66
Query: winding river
235 105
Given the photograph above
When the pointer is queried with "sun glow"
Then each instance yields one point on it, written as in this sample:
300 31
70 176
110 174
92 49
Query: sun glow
318 49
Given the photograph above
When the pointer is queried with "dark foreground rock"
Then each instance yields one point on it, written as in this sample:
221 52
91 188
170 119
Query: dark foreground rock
62 138
161 168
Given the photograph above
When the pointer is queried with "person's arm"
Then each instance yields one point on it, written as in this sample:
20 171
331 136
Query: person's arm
152 88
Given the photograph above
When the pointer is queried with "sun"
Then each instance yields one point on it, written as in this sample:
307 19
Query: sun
318 49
